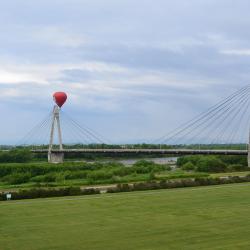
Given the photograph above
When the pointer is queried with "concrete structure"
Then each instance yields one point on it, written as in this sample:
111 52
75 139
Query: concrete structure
55 157
149 151
58 155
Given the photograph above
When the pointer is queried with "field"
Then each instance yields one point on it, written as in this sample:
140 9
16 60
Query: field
215 217
14 176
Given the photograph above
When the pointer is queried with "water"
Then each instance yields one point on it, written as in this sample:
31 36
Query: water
163 160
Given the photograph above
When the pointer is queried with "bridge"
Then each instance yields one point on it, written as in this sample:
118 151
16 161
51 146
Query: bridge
147 151
226 123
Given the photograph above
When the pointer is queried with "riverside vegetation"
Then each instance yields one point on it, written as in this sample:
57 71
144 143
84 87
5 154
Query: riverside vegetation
67 178
83 173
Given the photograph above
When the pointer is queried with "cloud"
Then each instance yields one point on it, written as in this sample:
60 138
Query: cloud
57 36
236 52
130 72
46 73
14 77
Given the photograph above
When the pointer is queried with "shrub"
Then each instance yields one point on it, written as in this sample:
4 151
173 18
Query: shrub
182 175
60 177
99 175
188 166
192 158
80 174
145 167
17 178
16 156
214 163
164 184
210 164
50 177
123 171
43 193
123 187
89 191
168 168
237 167
150 185
233 159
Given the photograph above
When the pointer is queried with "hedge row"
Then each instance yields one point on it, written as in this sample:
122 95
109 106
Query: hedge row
152 185
166 184
43 193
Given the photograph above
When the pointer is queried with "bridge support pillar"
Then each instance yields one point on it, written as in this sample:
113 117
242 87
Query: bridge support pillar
55 157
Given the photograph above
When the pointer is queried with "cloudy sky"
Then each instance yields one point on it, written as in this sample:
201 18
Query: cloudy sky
133 70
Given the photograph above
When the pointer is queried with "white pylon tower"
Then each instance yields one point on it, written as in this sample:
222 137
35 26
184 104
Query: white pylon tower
58 155
55 122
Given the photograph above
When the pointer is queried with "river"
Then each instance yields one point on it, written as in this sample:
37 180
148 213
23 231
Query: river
162 160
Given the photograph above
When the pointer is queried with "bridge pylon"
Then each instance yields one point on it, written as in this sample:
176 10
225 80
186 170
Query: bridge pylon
55 157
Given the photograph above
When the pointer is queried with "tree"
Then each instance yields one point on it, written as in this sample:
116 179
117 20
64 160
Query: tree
210 164
188 166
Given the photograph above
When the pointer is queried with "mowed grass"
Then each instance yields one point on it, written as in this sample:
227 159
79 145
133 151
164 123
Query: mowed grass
215 217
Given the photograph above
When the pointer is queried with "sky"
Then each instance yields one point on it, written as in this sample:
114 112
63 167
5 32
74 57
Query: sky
133 70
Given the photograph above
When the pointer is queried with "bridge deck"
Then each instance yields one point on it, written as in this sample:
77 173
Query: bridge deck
149 151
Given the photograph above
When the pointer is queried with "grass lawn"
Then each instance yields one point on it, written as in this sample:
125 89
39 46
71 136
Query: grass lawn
214 217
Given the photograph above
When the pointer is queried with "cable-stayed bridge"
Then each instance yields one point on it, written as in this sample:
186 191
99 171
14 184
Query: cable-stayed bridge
223 129
148 151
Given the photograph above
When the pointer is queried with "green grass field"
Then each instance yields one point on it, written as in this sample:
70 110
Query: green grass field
214 217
